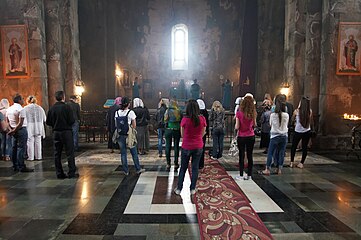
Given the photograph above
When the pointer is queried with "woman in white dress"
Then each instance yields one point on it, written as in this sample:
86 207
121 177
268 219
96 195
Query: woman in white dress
35 118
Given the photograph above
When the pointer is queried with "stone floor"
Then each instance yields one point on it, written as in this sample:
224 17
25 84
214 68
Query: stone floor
321 201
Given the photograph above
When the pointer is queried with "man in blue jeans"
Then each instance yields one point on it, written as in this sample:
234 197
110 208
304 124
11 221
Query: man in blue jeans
17 122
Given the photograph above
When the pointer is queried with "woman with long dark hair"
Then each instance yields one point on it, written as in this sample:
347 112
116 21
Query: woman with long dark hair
279 133
193 128
159 117
304 121
245 122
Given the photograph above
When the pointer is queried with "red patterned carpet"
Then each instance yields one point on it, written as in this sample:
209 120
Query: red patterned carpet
223 210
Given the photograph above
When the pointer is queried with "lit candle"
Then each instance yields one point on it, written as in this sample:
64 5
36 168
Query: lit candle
232 84
202 95
160 94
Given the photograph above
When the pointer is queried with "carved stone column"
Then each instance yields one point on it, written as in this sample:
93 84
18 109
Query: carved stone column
70 44
295 30
313 54
53 48
38 86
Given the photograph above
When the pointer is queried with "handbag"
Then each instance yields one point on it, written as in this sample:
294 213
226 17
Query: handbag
115 136
132 137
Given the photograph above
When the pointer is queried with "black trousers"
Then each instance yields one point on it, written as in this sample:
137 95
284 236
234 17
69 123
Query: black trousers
201 161
245 144
297 137
64 139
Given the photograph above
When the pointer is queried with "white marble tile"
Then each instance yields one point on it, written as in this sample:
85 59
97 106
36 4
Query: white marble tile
185 208
260 201
139 204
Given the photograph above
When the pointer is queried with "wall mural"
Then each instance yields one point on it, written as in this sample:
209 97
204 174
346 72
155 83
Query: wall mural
349 54
15 54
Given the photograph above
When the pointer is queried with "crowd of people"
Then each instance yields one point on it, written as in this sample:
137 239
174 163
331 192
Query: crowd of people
22 130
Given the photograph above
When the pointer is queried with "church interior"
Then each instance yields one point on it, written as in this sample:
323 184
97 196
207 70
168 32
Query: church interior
98 50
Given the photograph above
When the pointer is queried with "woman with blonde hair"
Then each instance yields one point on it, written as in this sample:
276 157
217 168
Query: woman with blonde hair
245 122
217 123
35 118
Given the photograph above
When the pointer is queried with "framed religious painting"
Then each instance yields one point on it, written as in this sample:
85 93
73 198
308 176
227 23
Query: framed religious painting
349 53
15 54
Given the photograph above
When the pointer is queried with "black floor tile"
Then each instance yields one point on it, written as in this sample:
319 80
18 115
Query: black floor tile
307 187
38 229
330 222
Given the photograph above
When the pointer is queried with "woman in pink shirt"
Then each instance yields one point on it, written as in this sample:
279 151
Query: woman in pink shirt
245 122
193 127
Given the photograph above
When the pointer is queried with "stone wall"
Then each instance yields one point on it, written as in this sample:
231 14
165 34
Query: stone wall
53 41
338 94
30 13
311 49
137 35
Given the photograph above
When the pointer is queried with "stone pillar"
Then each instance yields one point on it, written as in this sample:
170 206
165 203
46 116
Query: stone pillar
313 54
70 44
34 17
271 18
294 48
53 48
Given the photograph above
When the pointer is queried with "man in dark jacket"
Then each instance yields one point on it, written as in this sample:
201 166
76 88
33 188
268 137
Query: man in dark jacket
60 118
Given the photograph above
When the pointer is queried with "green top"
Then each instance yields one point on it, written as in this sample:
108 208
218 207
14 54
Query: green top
173 116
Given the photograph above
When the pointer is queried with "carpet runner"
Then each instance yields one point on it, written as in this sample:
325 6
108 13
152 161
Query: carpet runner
223 210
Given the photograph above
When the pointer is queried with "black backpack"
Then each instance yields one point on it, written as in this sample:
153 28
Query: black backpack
121 123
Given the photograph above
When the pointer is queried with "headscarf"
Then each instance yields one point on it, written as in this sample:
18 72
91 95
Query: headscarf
4 103
137 102
238 100
201 104
118 101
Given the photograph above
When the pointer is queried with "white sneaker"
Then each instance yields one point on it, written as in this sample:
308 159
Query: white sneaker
177 191
213 158
193 191
300 165
142 170
125 173
247 178
239 178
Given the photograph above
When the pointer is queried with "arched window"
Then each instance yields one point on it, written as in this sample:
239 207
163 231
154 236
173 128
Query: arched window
180 47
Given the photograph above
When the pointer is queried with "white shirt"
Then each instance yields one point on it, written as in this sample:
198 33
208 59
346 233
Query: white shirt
35 118
299 128
14 113
276 128
121 113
